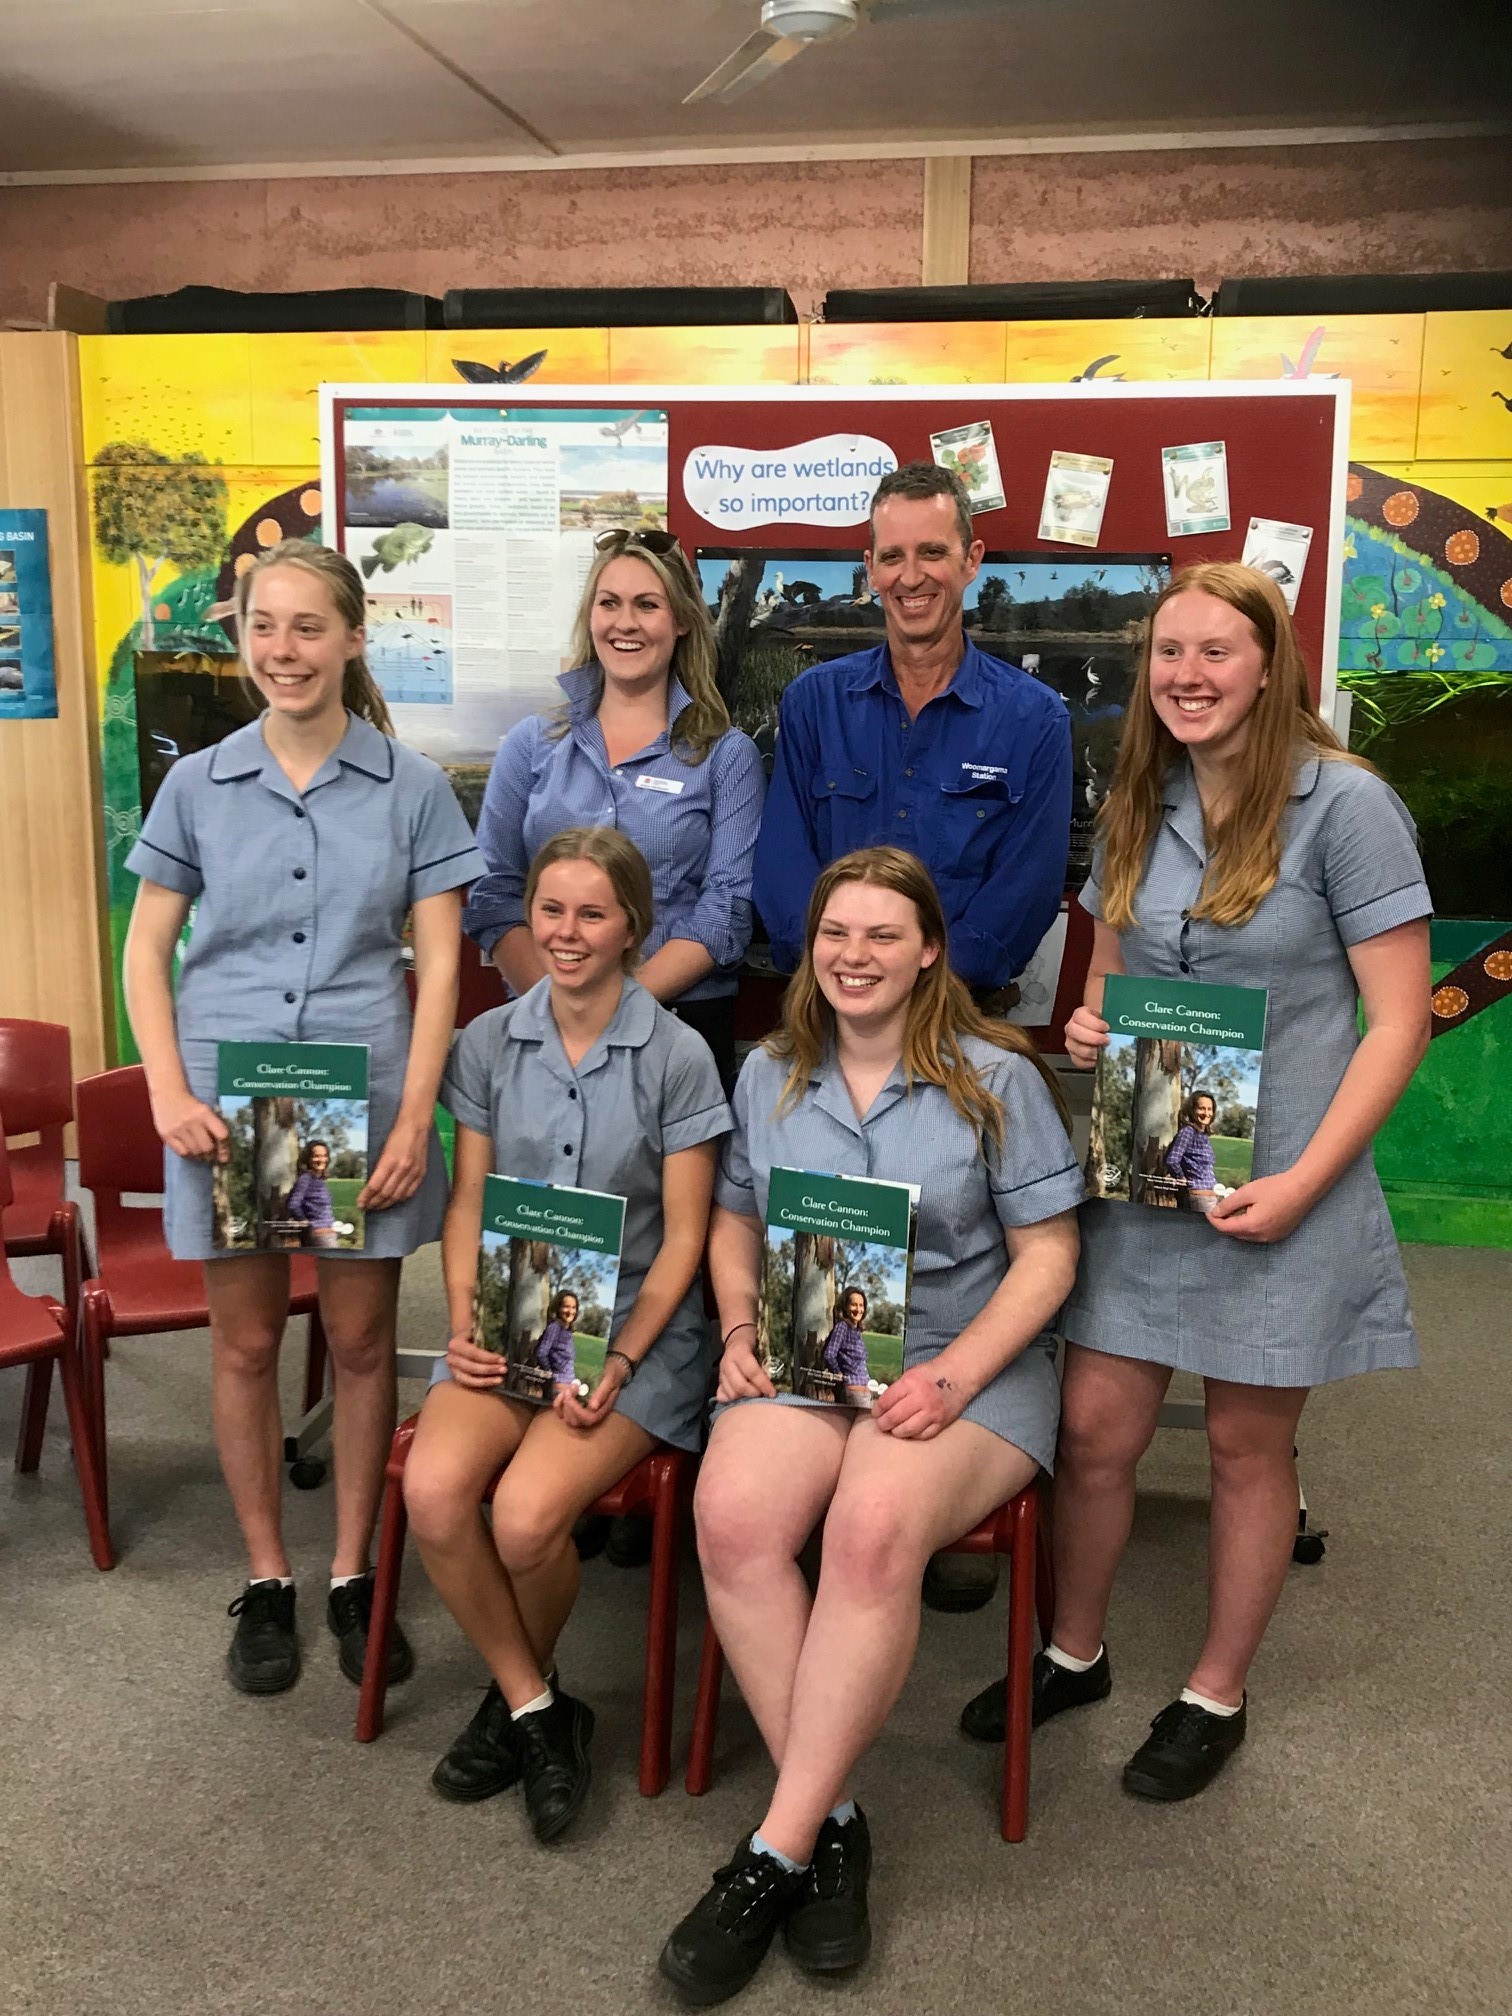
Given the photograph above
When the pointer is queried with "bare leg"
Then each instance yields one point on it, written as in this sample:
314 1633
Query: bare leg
767 1476
1251 1432
554 1478
249 1305
1109 1410
463 1438
895 1503
358 1299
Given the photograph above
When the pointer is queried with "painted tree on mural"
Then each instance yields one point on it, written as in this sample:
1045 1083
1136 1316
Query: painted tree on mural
153 509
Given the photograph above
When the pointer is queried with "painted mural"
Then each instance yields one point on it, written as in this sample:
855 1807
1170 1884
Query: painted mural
202 451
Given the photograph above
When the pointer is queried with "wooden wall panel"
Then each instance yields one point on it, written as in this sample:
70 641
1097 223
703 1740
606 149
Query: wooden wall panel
52 949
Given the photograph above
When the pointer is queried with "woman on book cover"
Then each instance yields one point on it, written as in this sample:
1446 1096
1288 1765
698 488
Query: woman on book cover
555 1351
1241 845
1190 1155
309 1202
845 1348
883 1067
585 1079
643 743
308 838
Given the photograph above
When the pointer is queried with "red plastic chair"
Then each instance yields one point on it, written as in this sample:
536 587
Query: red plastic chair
1015 1530
660 1485
35 1330
139 1289
36 1097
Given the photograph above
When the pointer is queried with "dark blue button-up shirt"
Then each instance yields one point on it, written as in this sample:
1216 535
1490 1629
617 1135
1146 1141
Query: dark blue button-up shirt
978 786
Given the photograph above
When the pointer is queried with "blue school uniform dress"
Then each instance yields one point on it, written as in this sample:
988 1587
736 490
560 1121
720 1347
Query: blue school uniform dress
1331 1299
695 823
966 1201
297 932
646 1089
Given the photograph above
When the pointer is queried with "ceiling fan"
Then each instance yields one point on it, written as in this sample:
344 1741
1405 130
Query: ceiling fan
788 27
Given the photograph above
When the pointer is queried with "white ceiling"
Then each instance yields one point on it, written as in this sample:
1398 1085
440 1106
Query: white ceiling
109 86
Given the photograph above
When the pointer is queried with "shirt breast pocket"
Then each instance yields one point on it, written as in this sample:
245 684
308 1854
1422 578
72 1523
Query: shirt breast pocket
972 814
845 803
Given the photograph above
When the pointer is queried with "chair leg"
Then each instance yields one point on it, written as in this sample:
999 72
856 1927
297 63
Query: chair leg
1015 1819
661 1626
315 1363
391 1535
86 1457
33 1414
1044 1579
705 1715
96 1338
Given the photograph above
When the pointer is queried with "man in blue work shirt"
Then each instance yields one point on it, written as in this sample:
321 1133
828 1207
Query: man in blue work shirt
926 743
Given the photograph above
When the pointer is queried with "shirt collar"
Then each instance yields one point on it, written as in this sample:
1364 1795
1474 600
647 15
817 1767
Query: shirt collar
876 669
584 688
630 1027
832 1095
1184 806
246 754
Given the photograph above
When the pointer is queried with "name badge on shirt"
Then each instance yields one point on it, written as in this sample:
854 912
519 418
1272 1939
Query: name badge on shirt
671 785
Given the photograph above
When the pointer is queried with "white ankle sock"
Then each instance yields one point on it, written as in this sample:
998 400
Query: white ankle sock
1206 1701
340 1581
1069 1659
760 1847
844 1812
283 1581
533 1707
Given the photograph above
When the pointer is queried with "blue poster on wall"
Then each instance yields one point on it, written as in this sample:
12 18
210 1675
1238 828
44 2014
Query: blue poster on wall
28 684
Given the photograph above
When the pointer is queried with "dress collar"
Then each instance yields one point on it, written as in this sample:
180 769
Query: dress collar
876 669
245 753
584 688
630 1028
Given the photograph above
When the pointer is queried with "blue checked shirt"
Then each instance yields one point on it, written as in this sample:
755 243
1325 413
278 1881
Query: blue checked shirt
694 822
979 787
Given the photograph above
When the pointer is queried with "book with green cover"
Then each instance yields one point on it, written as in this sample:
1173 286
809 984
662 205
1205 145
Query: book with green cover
835 1284
548 1271
1176 1092
295 1159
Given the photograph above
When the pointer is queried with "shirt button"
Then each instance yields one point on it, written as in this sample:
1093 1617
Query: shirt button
1186 966
572 1091
299 811
902 815
299 874
299 937
291 999
981 814
566 1151
908 773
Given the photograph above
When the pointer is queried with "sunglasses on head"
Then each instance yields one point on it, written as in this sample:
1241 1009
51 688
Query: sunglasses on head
645 536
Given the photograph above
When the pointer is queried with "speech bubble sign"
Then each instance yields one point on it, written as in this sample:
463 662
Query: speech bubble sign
826 481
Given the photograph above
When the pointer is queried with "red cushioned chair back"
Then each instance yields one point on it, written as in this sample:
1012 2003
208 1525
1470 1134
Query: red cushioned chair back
119 1150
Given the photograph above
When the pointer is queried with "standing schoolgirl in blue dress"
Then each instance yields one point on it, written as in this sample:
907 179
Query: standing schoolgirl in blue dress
1240 845
304 840
587 1081
645 745
883 1068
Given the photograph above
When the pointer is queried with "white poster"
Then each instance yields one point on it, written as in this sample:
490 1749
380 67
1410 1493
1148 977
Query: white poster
474 533
1280 550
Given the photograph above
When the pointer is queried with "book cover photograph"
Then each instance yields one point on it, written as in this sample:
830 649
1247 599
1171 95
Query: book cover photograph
1175 1092
295 1160
835 1285
548 1271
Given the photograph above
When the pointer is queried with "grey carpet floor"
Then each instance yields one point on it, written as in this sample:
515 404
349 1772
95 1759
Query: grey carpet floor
171 1848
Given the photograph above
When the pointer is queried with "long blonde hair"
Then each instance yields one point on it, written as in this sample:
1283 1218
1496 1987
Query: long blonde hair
621 860
360 691
705 718
1283 727
941 1011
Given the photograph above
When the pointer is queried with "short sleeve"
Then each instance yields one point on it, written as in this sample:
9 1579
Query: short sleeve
1372 871
1035 1175
467 1082
443 854
693 1105
735 1186
1090 894
166 851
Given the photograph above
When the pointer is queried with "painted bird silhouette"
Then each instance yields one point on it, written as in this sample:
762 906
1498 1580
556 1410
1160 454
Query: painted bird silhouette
1306 358
1504 399
1507 353
502 373
1095 366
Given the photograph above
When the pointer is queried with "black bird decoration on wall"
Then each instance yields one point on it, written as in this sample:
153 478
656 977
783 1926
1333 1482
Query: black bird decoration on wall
503 373
1504 399
1507 353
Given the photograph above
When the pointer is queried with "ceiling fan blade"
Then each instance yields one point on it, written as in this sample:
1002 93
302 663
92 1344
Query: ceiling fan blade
757 57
